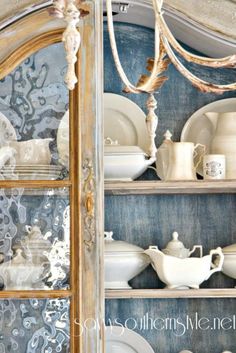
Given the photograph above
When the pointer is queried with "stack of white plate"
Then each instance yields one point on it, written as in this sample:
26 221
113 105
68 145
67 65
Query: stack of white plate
32 172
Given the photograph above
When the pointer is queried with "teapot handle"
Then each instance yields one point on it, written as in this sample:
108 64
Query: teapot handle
28 229
201 155
217 268
195 248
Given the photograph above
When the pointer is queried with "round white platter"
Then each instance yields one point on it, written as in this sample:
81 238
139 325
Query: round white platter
122 340
125 122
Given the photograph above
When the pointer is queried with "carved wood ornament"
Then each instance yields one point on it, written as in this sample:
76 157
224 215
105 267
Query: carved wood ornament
89 203
72 13
165 43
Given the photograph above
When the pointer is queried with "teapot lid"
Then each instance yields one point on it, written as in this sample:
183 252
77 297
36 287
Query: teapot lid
113 147
117 246
175 243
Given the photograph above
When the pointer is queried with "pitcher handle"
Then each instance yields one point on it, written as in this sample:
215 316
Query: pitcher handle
217 268
201 154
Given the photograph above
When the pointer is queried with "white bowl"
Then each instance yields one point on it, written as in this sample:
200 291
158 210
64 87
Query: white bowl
229 265
123 261
124 162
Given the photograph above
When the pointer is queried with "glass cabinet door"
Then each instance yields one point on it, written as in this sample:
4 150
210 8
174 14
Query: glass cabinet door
34 118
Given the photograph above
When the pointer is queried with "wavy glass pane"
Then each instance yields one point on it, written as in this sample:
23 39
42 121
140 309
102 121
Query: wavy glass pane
34 119
34 326
34 239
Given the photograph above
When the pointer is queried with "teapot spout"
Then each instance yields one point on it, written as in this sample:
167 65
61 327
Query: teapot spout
150 161
213 117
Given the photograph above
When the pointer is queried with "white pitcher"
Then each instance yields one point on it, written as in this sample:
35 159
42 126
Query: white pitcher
224 140
181 161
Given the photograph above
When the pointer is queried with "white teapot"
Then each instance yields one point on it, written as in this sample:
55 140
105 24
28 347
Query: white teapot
7 156
35 246
176 248
20 273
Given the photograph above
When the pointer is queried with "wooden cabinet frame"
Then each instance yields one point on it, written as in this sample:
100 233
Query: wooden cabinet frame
24 37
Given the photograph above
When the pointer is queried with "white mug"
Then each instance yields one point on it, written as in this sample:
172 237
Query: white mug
214 166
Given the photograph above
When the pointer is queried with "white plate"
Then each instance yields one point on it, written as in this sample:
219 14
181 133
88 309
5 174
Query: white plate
124 121
7 131
63 140
32 176
123 340
199 129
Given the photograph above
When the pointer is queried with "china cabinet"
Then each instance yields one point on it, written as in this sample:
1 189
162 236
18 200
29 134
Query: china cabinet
147 211
51 197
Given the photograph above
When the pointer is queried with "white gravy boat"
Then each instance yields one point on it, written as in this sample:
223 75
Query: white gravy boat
188 272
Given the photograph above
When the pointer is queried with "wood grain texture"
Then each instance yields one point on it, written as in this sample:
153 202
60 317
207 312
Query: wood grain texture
9 63
168 294
24 30
162 187
35 294
89 111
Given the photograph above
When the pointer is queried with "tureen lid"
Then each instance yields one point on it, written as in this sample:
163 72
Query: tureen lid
118 246
175 243
229 249
113 147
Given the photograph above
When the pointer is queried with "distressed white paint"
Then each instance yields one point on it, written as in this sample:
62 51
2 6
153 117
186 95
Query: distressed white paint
208 26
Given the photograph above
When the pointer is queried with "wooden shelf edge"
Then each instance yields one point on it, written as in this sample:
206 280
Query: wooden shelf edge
165 187
170 294
34 184
39 294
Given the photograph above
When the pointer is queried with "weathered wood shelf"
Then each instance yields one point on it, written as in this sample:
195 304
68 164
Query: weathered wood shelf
165 187
169 293
24 294
34 184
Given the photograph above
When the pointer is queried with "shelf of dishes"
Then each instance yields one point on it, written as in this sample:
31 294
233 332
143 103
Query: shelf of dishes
33 159
169 293
206 148
169 187
182 270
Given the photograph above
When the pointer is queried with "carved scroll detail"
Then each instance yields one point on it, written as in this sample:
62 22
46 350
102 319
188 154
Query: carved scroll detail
68 9
89 203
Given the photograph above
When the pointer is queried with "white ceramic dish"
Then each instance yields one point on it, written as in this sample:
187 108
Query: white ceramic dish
33 169
35 151
122 340
123 261
199 129
7 131
63 140
125 122
229 265
124 163
184 273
